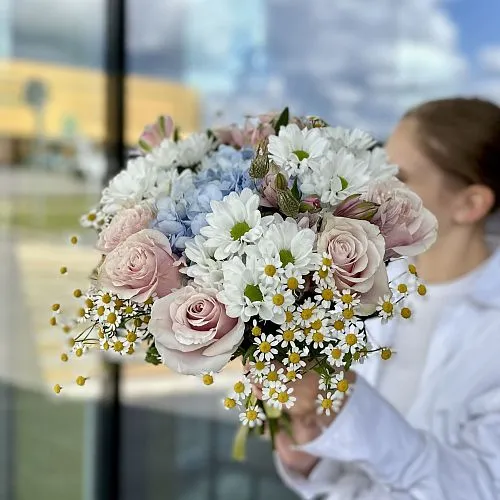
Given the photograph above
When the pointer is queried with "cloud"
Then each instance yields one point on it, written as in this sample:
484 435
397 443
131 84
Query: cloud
489 58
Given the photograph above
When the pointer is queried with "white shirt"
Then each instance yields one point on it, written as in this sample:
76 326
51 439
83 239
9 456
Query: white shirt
447 446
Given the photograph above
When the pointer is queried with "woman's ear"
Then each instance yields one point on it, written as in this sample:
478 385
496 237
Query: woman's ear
475 203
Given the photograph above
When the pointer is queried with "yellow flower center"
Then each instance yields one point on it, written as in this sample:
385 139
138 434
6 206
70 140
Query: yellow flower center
118 346
278 299
291 375
64 357
208 379
131 336
386 354
260 365
412 269
265 347
270 270
339 325
105 346
348 313
80 381
81 312
318 337
327 294
229 403
387 307
77 293
111 318
326 404
402 288
406 312
292 283
56 307
272 376
91 217
347 298
89 303
316 324
283 397
256 331
131 350
336 353
101 310
106 298
288 316
351 339
129 310
323 273
326 261
288 335
294 357
343 385
306 314
79 353
239 388
422 289
252 415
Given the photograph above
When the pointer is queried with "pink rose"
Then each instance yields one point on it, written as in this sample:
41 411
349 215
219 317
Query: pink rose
250 135
192 331
357 249
141 266
407 226
127 222
154 134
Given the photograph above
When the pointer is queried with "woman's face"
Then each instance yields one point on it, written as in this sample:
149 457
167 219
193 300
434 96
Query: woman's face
419 173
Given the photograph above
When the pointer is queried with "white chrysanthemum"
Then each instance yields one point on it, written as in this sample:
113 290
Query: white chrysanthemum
253 416
242 292
343 173
173 184
132 185
354 139
165 155
234 222
194 148
297 150
293 245
204 269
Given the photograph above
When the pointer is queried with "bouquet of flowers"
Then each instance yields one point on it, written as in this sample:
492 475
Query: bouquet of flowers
266 243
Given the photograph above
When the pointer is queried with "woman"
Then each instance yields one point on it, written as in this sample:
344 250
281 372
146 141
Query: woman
424 425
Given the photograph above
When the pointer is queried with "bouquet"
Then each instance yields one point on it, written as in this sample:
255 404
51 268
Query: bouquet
267 243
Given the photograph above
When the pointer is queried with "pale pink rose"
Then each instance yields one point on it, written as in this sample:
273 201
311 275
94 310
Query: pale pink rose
308 221
407 226
141 266
127 222
357 249
155 133
192 331
248 136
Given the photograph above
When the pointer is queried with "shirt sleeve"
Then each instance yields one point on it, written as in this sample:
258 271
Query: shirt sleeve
409 464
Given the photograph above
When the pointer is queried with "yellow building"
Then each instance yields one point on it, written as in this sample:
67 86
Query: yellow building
76 100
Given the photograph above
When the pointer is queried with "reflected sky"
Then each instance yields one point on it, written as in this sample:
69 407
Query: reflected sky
356 62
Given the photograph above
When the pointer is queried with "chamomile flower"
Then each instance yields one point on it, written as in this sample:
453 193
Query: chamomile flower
266 347
326 262
293 375
270 269
296 150
283 398
347 299
253 416
325 293
104 343
93 219
321 321
289 321
258 370
117 345
268 391
234 222
304 315
316 339
273 377
386 307
280 300
330 403
293 279
295 358
325 382
241 389
79 349
352 340
340 383
289 335
335 355
242 291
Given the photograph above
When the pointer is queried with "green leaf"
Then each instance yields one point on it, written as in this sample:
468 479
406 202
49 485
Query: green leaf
282 120
177 134
343 182
249 353
295 189
273 424
240 444
153 356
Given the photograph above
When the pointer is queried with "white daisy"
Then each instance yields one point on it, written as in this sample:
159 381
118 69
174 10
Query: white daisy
340 383
241 389
270 268
288 335
295 358
194 148
335 355
386 307
296 150
283 398
266 349
347 299
253 416
273 377
325 293
117 345
289 317
269 391
79 349
317 339
292 278
330 403
94 219
258 370
204 269
352 340
242 292
164 156
234 222
292 376
304 315
279 301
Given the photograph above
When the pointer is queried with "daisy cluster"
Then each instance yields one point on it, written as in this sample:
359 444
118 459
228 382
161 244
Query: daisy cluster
268 242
